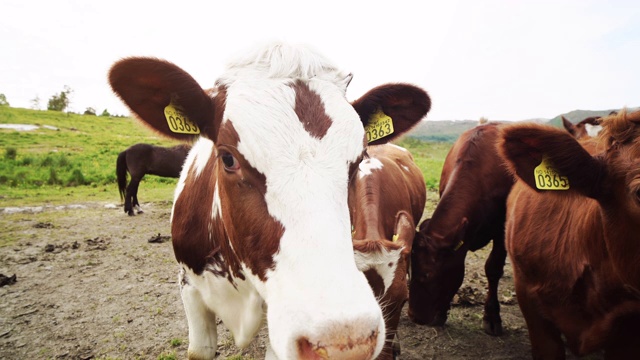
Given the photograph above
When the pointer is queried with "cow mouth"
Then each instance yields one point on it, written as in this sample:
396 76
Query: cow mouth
341 348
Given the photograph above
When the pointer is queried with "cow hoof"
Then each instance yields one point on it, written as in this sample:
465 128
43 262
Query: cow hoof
440 319
493 328
395 352
140 212
130 213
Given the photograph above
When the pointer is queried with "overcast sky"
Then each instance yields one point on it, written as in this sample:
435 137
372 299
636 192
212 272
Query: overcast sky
501 59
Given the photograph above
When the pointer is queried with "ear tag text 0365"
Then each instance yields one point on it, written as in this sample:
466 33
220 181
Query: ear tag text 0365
178 122
380 125
548 178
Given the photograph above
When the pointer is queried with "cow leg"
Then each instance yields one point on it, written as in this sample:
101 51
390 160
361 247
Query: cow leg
545 337
623 343
203 332
270 355
494 269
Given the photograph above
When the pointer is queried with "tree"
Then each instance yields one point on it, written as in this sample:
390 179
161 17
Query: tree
60 101
105 113
3 100
90 111
35 103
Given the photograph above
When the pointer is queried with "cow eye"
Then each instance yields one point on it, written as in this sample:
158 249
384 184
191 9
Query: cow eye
229 161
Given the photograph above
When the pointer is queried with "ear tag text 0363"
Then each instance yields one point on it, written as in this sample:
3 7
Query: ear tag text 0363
380 125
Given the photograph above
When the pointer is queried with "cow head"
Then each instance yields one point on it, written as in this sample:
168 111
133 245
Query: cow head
264 191
611 176
437 272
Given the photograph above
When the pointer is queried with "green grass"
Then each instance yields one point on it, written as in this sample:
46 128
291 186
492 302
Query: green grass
76 163
429 156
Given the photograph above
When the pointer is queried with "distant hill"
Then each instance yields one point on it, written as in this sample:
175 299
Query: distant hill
576 116
450 130
441 131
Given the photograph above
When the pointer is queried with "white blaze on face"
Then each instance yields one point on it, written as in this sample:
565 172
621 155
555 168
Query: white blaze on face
384 262
592 130
306 180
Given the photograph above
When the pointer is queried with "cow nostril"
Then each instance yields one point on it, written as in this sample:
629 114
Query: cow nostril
308 351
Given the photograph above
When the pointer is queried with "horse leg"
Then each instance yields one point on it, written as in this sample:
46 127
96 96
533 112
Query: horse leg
494 269
131 196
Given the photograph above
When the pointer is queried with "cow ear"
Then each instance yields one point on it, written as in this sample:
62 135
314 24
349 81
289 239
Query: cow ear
405 104
524 146
405 232
149 85
569 126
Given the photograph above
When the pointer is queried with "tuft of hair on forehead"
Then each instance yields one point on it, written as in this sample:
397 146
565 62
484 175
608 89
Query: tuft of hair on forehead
280 60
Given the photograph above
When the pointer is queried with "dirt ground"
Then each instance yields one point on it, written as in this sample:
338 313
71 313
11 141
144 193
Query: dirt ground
93 283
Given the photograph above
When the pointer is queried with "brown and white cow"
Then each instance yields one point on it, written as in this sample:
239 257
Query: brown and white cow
386 200
471 212
572 234
260 222
586 128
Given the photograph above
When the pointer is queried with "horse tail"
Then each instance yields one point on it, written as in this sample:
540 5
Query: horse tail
121 173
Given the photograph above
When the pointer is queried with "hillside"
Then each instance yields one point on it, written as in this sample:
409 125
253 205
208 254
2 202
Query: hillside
450 130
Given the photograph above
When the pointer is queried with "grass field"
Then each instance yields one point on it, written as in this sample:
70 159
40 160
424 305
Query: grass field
75 162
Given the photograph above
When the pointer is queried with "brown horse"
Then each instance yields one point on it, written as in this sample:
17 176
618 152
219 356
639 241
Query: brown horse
142 159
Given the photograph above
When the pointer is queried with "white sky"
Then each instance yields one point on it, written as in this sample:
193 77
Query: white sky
502 59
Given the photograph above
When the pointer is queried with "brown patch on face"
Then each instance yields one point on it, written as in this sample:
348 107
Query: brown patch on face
310 110
375 281
253 233
192 243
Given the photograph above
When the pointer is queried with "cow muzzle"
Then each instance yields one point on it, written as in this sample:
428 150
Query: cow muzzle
342 341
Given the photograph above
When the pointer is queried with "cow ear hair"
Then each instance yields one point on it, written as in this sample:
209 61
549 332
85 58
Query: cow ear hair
405 104
524 146
405 231
148 85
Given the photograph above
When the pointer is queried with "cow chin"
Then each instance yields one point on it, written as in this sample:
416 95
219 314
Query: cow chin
327 326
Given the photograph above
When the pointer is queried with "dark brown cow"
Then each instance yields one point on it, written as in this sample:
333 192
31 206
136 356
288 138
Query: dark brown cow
576 252
260 224
586 128
142 159
386 200
473 191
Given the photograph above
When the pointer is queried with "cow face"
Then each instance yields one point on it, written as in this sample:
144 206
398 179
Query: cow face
262 198
436 274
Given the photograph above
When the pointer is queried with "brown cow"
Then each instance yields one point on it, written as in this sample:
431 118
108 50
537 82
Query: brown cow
473 191
576 252
260 223
386 200
586 128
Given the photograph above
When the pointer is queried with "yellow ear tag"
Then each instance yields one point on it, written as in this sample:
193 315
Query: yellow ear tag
458 246
178 122
394 238
380 125
548 178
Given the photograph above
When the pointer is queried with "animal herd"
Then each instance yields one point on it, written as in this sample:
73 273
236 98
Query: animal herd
292 206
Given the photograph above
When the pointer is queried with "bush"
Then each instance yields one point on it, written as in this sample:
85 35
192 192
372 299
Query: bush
76 178
53 177
10 153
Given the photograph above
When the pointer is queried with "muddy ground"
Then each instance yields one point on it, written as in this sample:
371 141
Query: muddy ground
91 285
